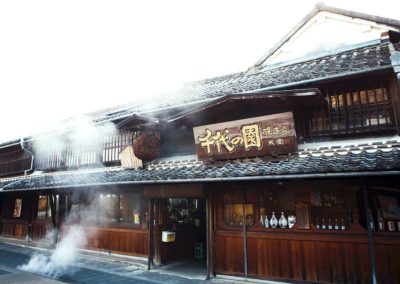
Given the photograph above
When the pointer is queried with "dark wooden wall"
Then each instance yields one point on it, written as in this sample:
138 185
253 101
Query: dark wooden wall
16 226
302 255
119 240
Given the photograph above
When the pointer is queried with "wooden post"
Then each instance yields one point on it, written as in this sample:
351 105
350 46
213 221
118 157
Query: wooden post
209 233
370 236
156 231
395 96
151 234
244 234
33 210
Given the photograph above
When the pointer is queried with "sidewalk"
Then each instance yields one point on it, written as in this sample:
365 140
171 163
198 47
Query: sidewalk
14 276
102 267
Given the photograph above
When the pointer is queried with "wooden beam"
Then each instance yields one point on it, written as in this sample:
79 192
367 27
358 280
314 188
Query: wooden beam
176 190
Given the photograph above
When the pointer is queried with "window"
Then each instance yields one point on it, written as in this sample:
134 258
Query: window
127 208
108 208
236 210
275 203
17 208
133 209
44 209
355 109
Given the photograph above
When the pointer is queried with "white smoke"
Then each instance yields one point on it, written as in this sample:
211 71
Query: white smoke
74 235
76 140
60 261
78 226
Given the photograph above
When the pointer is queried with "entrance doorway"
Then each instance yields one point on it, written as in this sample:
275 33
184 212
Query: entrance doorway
180 236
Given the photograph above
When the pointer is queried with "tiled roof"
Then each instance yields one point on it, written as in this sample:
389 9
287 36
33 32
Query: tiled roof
340 63
355 159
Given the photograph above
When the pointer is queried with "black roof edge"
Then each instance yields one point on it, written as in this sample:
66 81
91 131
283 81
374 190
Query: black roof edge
136 116
364 174
172 118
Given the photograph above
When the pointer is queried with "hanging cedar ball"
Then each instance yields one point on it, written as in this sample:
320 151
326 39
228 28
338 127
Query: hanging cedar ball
147 146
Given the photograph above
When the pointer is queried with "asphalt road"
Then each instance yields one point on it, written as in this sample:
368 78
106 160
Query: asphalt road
88 269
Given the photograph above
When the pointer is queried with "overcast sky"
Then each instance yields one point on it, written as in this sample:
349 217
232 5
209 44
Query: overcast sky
62 58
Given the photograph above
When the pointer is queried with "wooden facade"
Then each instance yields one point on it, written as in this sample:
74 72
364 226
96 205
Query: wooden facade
347 226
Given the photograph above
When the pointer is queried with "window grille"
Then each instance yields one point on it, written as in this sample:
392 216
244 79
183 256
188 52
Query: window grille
14 162
353 110
92 153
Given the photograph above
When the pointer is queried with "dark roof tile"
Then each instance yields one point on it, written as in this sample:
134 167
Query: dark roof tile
360 59
337 161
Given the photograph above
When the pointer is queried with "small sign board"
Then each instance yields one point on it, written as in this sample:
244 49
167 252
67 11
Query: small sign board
128 159
253 137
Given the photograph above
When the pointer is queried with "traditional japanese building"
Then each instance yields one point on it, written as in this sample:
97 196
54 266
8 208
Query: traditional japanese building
286 171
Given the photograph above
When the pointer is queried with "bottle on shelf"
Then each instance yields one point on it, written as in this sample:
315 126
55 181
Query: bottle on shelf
317 225
273 222
336 224
371 220
262 220
391 227
283 221
329 224
343 225
266 221
381 226
323 225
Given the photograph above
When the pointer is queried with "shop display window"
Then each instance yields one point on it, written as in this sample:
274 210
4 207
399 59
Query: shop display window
329 210
43 209
17 208
237 209
133 209
123 209
277 209
108 208
385 210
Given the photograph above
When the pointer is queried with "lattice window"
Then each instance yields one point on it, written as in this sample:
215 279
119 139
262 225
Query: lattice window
14 161
113 145
353 110
90 153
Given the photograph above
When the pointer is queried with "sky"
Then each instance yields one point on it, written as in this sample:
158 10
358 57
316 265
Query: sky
60 59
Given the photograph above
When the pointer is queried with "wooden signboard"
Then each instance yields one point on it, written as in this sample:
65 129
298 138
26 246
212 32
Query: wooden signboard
128 159
253 137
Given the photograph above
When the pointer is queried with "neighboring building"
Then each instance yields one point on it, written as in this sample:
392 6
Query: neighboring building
311 130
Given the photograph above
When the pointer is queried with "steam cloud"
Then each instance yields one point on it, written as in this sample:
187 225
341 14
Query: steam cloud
81 135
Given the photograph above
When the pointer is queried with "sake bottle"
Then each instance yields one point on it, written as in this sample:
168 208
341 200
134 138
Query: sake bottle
266 222
343 226
329 224
323 225
336 224
273 222
283 221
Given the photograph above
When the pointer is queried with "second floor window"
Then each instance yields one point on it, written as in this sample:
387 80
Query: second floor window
362 108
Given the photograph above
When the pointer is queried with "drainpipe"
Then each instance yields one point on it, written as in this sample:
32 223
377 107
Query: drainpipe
395 61
25 174
32 157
